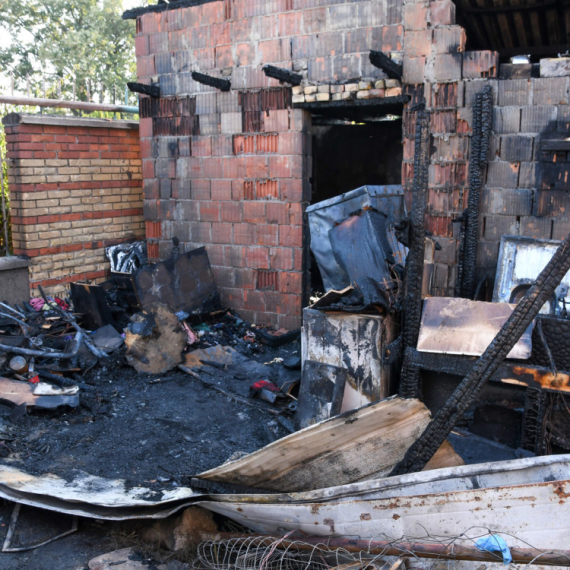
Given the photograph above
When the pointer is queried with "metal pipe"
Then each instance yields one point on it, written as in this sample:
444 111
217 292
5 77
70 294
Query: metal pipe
396 548
4 213
57 103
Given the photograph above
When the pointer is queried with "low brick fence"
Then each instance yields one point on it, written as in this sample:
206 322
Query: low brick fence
76 188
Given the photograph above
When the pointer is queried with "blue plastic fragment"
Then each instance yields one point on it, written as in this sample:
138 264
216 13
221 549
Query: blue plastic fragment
494 543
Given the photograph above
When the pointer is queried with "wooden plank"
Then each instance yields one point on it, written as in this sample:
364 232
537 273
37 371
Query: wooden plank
351 447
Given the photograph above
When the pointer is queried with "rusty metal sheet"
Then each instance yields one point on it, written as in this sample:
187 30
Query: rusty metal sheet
185 283
526 499
461 326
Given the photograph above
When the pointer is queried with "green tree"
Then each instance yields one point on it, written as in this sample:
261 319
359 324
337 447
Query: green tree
81 42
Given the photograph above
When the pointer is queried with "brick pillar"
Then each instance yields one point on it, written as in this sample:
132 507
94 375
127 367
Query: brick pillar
439 73
75 188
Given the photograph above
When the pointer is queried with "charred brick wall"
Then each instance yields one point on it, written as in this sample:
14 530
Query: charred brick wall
231 170
75 188
523 188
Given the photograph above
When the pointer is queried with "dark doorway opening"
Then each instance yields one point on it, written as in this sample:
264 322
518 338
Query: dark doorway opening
349 153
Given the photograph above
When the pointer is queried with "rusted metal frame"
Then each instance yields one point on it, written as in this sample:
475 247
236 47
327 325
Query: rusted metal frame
221 84
468 390
150 90
282 74
396 548
386 64
482 120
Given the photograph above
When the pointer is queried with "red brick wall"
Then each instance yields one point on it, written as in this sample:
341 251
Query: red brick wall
231 170
75 188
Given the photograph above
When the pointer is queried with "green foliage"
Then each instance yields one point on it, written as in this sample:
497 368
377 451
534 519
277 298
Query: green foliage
73 41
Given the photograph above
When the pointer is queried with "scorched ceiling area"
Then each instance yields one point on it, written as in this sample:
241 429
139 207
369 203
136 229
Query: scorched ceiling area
516 27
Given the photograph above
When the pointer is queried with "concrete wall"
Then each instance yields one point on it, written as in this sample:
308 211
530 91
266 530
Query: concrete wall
75 188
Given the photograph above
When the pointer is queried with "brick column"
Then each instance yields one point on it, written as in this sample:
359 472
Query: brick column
75 188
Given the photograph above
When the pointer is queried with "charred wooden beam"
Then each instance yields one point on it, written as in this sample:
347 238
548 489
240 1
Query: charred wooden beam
386 64
412 297
482 122
150 90
470 387
282 74
221 84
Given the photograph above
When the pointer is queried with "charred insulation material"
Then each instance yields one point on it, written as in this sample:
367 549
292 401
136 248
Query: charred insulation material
482 123
470 387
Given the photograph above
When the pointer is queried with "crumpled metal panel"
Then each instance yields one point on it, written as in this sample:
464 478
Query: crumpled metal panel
361 248
461 326
185 283
521 259
325 215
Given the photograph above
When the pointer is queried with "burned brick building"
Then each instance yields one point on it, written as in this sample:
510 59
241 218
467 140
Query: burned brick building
234 164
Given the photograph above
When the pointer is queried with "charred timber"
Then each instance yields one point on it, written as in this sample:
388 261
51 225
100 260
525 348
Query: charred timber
482 122
221 84
150 90
470 387
386 64
412 298
282 74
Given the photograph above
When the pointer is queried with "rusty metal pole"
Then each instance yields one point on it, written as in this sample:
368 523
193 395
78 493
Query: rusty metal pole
467 392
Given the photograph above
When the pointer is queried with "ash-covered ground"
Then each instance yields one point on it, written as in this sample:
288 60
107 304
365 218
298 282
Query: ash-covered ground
152 431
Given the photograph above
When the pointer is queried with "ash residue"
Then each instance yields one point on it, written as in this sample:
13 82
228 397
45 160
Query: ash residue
152 431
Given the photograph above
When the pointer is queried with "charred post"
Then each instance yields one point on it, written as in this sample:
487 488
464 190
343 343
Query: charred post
221 84
412 300
150 90
386 64
462 221
482 122
470 387
283 75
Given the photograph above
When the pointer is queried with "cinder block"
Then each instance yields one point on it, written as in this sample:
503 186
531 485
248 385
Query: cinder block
298 90
351 87
418 43
539 228
444 68
527 175
324 88
414 70
480 64
555 67
449 39
515 92
298 98
487 254
442 13
503 174
516 148
506 120
560 229
552 204
507 201
310 89
538 119
495 226
550 91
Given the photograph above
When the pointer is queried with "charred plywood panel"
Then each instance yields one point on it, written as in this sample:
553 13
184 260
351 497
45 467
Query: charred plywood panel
352 447
185 283
461 326
352 342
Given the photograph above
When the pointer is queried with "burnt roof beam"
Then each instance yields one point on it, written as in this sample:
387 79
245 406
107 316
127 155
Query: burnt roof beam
283 75
386 64
150 90
221 84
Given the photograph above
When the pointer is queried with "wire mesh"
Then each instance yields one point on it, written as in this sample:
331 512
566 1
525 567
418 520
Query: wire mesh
292 553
